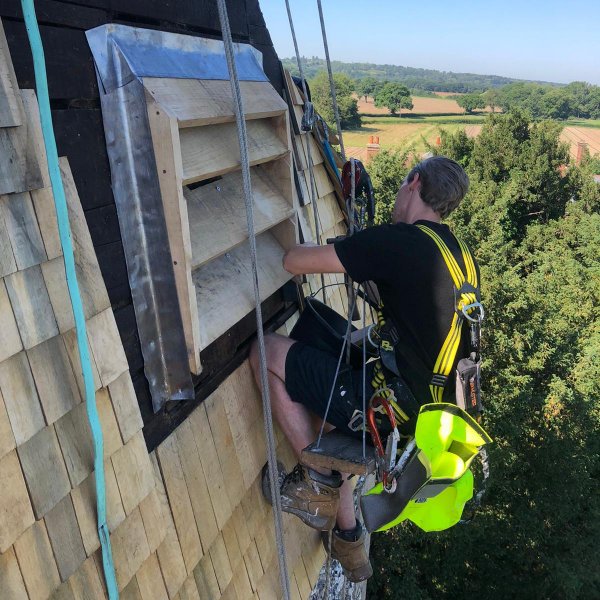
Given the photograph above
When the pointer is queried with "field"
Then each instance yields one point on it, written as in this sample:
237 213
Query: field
422 125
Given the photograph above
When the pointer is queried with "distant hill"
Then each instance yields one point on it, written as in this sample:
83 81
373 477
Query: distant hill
415 79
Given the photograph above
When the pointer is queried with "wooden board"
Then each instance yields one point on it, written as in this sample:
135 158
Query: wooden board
8 264
322 181
167 153
292 89
11 580
31 305
206 580
227 281
214 150
43 203
133 471
220 562
217 213
20 398
155 521
23 230
11 108
21 148
44 470
179 500
70 339
86 583
37 563
7 439
16 513
171 562
194 103
10 340
63 531
150 580
125 405
54 378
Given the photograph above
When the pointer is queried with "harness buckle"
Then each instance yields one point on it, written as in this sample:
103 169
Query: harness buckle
357 421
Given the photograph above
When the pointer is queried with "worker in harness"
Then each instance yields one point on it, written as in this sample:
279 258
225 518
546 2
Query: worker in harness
419 298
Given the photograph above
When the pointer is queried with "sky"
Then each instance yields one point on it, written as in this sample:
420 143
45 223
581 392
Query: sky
546 40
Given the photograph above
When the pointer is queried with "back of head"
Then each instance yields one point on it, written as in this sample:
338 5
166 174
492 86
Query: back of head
444 183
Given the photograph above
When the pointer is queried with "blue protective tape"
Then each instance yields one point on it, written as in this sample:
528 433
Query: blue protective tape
64 231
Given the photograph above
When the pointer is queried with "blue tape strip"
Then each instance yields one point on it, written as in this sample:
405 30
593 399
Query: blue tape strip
64 231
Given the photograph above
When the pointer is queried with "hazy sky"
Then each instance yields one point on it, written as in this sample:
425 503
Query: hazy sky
549 40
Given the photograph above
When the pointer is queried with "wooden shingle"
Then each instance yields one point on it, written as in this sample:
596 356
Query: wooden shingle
11 581
125 405
7 439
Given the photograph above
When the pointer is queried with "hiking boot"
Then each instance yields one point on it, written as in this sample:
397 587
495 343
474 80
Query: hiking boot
348 547
311 496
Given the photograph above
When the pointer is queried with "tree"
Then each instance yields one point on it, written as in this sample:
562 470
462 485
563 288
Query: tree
347 105
491 98
470 102
394 96
366 87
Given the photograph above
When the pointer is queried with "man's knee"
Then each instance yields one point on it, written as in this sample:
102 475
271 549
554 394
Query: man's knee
276 349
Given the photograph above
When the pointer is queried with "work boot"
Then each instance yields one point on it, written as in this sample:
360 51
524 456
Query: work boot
348 547
311 496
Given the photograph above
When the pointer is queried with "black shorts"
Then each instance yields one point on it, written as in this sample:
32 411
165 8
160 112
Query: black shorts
309 375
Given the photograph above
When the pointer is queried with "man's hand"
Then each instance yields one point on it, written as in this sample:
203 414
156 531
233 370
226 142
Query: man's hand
309 258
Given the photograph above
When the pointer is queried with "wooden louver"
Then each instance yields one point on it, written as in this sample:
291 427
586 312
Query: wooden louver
197 154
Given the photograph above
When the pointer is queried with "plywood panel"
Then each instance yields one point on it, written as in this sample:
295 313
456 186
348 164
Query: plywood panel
214 150
10 340
54 378
12 586
84 502
125 406
193 102
44 470
227 281
106 346
11 109
65 537
16 513
217 213
20 397
133 471
23 230
179 500
31 305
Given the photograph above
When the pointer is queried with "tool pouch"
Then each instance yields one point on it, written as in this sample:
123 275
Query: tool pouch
468 386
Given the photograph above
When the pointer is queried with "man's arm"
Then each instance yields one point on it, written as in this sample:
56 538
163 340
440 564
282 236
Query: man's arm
304 259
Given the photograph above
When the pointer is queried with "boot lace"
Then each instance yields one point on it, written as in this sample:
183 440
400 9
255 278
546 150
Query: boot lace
296 475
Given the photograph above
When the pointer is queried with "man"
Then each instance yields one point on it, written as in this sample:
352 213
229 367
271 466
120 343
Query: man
417 294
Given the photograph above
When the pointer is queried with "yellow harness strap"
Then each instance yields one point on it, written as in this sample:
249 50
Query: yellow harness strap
446 356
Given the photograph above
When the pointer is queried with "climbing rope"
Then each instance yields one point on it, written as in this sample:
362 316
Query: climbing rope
336 111
64 231
248 199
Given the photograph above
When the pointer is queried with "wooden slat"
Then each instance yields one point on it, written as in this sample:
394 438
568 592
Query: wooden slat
217 213
11 581
189 590
206 580
194 103
210 464
86 583
155 521
23 230
8 264
150 580
11 108
171 562
10 340
220 561
36 560
322 180
179 500
106 346
43 203
7 439
125 406
134 472
31 305
23 164
70 339
44 470
196 484
227 282
16 513
54 378
167 153
253 566
130 548
65 537
20 397
84 501
214 150
292 89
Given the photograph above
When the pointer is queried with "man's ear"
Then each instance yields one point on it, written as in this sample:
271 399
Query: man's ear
415 184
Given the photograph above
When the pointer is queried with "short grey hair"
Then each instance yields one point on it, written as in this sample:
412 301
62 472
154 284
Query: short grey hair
444 183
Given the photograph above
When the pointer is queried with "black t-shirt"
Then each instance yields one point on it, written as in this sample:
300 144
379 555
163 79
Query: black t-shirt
417 294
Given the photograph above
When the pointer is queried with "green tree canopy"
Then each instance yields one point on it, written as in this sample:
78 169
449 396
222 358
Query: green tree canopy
394 96
366 87
470 102
347 105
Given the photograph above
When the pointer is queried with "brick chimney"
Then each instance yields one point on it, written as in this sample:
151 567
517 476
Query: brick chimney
582 151
372 147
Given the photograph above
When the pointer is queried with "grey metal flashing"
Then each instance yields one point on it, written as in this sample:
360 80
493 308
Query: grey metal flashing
152 53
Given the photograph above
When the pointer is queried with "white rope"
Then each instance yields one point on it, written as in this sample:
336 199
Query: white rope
313 183
336 111
248 198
